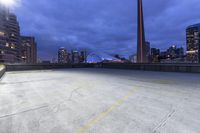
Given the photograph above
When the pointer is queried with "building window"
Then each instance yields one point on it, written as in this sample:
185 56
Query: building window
12 46
196 41
7 44
2 33
2 52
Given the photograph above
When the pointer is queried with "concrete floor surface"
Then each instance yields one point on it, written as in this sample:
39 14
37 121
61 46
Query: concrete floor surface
99 101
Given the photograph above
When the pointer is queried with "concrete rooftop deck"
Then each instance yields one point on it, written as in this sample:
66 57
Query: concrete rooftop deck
99 101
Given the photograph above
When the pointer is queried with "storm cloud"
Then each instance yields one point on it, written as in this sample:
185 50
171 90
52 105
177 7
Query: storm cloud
109 26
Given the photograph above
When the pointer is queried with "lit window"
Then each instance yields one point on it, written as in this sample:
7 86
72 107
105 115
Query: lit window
12 46
7 44
2 33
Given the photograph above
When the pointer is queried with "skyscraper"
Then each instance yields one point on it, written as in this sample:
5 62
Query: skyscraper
28 50
155 53
3 34
147 52
62 55
14 35
9 36
141 55
193 43
83 55
75 56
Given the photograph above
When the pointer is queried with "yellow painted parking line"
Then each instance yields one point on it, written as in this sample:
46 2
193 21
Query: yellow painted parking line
103 114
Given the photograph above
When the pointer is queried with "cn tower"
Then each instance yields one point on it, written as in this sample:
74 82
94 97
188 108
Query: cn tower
141 57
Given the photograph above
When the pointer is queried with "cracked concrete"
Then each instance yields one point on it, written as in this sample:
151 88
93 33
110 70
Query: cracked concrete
99 101
164 121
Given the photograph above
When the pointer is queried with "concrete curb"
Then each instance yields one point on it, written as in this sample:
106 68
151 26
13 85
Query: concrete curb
2 70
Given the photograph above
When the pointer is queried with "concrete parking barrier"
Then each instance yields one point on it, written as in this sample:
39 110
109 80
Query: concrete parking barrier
191 68
2 70
18 67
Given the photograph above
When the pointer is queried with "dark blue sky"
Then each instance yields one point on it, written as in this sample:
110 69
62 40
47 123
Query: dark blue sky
104 25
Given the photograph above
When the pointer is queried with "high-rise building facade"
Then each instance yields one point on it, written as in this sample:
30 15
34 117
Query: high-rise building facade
171 51
147 52
180 52
141 55
62 55
9 37
193 43
155 53
14 35
3 33
75 56
28 50
83 56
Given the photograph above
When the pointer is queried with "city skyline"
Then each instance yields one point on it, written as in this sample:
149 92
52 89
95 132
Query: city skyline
100 26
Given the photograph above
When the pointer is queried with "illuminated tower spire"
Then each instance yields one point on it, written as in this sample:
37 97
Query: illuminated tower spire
141 35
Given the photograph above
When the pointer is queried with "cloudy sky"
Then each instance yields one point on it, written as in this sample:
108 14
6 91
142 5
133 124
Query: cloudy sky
104 25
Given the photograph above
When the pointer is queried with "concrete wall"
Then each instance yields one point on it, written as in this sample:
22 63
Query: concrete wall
45 66
2 70
195 68
192 68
